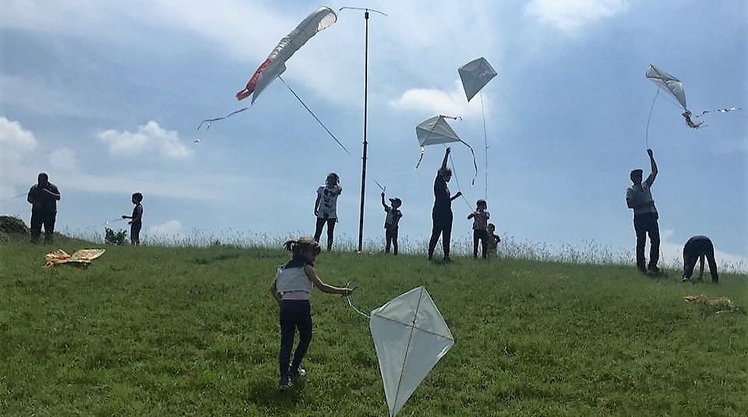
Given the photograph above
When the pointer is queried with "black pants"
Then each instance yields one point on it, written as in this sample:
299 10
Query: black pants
390 236
330 229
647 224
442 225
45 218
482 236
695 249
135 233
294 314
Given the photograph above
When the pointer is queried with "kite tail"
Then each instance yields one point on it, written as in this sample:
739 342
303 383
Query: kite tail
475 163
722 110
215 119
314 115
693 125
420 157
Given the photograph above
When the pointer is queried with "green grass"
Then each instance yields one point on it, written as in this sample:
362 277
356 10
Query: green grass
166 331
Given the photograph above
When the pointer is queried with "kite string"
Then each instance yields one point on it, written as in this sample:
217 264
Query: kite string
314 115
649 118
485 143
13 197
349 299
457 181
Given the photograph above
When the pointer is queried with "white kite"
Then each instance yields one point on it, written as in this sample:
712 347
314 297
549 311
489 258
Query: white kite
475 75
436 131
410 337
674 88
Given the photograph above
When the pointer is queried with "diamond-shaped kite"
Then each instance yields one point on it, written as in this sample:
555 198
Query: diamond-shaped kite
410 337
474 75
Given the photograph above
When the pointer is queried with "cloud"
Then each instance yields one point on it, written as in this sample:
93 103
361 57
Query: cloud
171 230
434 101
148 138
572 15
16 143
14 139
63 159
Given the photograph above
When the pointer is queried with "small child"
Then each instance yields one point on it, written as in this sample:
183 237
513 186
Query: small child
136 222
292 288
480 224
325 207
391 223
493 239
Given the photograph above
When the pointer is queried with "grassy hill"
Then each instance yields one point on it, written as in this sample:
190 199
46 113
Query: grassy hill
165 331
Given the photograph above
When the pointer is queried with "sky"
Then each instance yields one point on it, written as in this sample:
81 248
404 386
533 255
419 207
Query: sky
105 97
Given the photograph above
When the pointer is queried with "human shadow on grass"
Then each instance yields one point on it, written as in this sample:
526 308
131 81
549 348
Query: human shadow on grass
268 394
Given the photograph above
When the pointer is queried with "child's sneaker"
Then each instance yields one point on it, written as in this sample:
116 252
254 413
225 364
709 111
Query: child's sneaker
285 385
297 373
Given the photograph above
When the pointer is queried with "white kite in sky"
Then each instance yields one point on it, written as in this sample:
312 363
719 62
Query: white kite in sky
475 75
674 88
410 337
436 130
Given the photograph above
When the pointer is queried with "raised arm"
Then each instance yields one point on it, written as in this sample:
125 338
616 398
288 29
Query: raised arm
653 166
326 288
446 157
386 208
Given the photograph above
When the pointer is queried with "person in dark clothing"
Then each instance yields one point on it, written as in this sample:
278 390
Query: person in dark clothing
441 214
639 198
136 220
43 199
698 247
391 223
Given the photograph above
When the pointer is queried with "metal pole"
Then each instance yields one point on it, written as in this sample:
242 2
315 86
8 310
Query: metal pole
363 161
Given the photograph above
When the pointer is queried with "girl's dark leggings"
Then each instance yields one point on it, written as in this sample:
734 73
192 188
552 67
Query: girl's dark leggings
330 230
294 314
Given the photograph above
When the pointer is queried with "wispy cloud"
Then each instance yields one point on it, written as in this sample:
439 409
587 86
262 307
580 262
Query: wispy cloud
434 101
572 15
149 137
63 159
170 230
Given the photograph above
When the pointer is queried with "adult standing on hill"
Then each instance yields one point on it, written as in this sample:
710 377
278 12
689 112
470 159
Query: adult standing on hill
639 198
43 198
442 211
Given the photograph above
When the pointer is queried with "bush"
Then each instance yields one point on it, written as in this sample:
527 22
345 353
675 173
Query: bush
115 238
